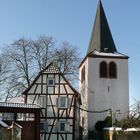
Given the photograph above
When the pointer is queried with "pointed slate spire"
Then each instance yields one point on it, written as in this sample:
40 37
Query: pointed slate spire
101 38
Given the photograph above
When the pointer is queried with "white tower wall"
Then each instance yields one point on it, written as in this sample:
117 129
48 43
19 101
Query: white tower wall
103 85
104 93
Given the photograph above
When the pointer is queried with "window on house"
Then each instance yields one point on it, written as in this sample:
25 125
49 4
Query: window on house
112 70
43 126
103 69
63 126
62 102
83 74
50 81
42 100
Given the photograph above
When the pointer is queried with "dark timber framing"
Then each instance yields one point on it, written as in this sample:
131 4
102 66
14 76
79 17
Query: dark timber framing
48 97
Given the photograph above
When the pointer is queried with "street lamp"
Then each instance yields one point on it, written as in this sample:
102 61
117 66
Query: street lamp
113 115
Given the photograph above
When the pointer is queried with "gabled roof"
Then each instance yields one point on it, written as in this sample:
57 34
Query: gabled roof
101 37
52 68
3 124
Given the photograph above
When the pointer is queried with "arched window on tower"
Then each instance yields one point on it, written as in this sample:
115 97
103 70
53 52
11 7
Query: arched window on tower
112 70
103 69
83 74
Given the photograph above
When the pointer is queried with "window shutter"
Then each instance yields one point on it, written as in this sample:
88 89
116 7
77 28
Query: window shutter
67 126
41 127
56 129
68 102
57 102
46 126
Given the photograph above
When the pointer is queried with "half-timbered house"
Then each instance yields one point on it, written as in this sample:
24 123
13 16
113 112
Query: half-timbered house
59 118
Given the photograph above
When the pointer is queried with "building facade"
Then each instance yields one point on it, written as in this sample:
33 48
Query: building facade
25 116
59 101
103 76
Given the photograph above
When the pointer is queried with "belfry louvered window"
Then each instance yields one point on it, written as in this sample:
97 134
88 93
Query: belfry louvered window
83 74
103 69
112 70
108 70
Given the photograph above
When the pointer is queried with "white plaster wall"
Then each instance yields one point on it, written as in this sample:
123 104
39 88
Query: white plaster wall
98 96
95 94
84 96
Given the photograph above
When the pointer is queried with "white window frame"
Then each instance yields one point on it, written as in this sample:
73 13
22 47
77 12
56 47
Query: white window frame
60 123
66 126
48 79
42 100
45 126
63 98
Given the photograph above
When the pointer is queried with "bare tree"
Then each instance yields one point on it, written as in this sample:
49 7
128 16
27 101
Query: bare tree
19 54
19 66
41 51
133 120
26 57
135 110
4 74
68 60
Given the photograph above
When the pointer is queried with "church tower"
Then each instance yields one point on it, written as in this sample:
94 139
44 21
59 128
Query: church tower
103 76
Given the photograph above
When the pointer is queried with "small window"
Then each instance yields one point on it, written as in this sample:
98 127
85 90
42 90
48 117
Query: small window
62 102
42 101
63 126
83 74
103 69
112 70
43 126
50 81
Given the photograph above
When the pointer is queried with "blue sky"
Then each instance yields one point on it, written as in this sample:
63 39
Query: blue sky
72 20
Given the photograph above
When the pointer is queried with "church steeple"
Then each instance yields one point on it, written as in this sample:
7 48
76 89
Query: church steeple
101 38
105 72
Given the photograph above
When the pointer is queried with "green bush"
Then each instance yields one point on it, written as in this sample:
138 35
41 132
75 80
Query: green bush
99 126
129 122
